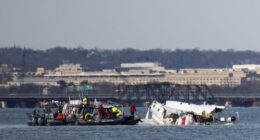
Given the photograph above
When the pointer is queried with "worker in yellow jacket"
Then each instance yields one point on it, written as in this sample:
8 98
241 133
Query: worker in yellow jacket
116 111
84 101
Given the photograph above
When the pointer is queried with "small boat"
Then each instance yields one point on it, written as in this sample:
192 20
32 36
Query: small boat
78 114
88 115
45 116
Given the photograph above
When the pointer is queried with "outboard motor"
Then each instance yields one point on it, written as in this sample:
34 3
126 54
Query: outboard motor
233 118
40 121
34 120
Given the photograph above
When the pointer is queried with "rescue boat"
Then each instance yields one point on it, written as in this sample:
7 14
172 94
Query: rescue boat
78 114
45 116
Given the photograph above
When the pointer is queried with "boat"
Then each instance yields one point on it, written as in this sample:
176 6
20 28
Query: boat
45 116
88 115
78 114
182 113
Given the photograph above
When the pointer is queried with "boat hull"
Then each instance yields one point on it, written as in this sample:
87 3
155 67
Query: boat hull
125 120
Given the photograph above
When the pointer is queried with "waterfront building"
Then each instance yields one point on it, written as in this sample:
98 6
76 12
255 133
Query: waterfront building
39 71
221 77
66 70
248 67
136 73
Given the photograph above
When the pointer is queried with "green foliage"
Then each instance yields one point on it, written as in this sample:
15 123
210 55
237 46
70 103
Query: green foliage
84 86
85 82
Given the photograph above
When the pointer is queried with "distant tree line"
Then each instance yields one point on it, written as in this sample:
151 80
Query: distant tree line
97 59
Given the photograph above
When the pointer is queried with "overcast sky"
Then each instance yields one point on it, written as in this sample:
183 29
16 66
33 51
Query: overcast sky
143 24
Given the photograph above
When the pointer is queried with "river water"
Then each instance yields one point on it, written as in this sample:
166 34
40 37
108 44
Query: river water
13 127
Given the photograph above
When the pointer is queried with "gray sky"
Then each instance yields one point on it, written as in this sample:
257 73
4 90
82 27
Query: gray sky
143 24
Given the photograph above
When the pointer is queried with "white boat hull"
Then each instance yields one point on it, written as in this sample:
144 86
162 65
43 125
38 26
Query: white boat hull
159 114
181 113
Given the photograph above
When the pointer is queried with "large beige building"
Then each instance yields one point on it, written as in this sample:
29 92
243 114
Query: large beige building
137 73
66 70
208 77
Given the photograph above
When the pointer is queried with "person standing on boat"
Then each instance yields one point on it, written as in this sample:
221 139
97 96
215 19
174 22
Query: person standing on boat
85 100
132 109
100 112
60 116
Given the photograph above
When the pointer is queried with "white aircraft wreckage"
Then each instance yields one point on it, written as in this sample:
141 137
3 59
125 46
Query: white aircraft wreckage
181 113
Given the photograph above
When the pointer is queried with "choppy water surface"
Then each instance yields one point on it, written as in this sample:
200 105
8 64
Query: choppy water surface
13 127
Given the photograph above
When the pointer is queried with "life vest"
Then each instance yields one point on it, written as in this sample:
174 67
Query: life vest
107 115
59 116
101 109
84 100
116 111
